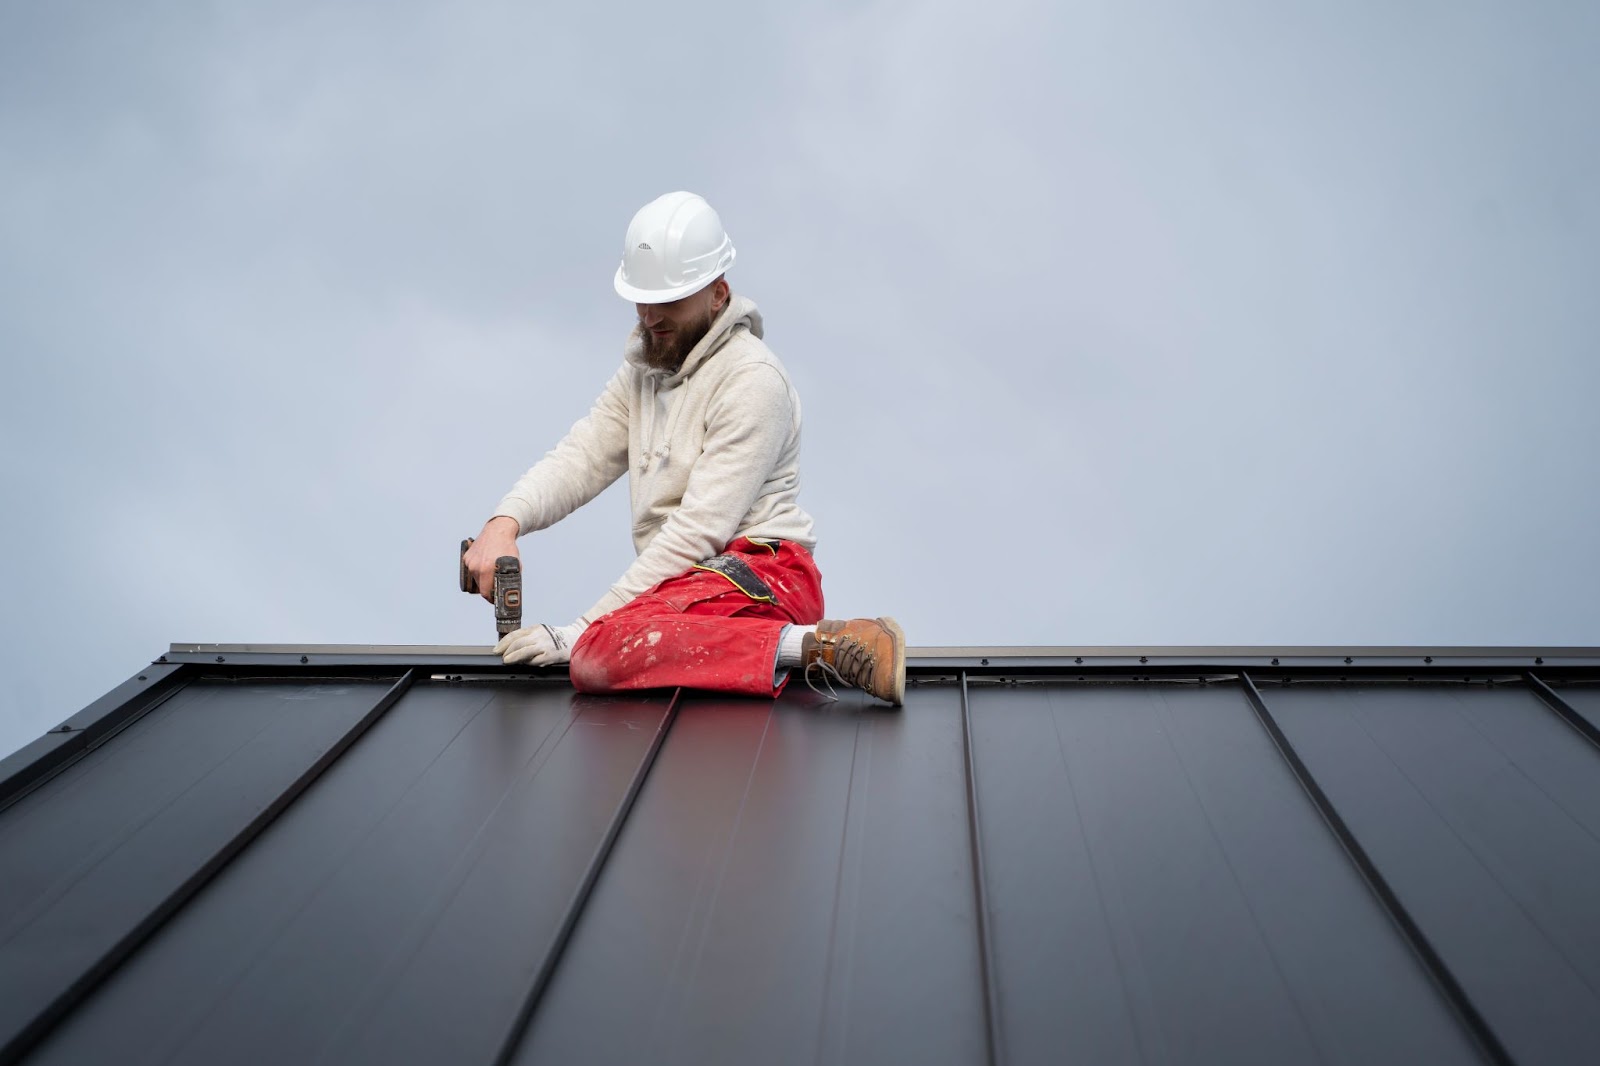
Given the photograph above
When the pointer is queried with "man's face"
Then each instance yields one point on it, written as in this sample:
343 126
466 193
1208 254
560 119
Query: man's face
672 330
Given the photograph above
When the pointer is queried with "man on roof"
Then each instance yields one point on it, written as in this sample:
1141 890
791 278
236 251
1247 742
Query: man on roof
723 594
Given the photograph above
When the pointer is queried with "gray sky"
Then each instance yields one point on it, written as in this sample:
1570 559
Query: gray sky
1144 323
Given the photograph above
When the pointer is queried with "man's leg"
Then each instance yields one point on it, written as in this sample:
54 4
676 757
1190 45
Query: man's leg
713 629
644 648
722 630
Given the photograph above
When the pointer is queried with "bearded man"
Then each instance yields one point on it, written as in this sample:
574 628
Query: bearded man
724 593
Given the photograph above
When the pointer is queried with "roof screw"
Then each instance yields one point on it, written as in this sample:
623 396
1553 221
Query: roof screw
162 659
1079 660
142 677
305 659
1538 660
983 662
1274 662
1144 658
220 659
1348 660
1427 658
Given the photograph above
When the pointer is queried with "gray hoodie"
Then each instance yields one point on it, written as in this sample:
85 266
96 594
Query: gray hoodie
712 453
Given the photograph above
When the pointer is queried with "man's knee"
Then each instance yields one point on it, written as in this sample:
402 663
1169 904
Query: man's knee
588 665
614 653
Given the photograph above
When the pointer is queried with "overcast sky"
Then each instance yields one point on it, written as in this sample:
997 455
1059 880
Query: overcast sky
1114 323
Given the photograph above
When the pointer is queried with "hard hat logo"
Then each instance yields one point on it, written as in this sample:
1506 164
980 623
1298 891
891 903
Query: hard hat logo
675 246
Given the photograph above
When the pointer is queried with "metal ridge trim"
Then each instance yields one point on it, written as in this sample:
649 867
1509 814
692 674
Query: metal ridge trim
1365 660
1002 651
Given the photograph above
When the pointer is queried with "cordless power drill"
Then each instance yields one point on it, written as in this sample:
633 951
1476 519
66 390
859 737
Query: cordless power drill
507 589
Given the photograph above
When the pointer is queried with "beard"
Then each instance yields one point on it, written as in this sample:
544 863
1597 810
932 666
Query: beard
669 353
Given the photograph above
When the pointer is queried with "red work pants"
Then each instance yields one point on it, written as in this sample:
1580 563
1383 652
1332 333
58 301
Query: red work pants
700 630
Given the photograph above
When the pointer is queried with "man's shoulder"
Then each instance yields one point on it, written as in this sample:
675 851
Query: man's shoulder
743 351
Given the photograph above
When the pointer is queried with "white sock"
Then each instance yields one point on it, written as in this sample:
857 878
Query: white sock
789 645
790 641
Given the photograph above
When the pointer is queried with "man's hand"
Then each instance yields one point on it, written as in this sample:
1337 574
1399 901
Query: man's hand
540 645
499 537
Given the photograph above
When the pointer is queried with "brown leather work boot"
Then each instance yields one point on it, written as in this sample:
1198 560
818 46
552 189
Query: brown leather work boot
865 653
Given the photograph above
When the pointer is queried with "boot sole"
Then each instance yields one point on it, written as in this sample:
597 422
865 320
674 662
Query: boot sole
898 697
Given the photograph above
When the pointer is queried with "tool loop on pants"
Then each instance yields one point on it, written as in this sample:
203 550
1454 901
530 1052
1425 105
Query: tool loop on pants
737 571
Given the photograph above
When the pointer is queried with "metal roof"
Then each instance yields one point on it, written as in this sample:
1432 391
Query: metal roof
1210 855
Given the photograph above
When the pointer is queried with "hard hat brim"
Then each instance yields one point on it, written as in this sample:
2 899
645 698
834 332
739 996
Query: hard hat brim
657 296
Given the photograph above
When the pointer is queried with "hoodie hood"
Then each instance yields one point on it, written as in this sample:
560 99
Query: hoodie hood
741 313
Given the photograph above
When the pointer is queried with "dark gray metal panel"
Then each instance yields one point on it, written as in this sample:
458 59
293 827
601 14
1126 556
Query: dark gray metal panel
36 761
93 855
799 885
464 986
794 886
398 911
1583 698
1481 809
1162 891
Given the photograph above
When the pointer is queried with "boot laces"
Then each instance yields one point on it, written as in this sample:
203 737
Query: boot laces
854 661
826 671
852 666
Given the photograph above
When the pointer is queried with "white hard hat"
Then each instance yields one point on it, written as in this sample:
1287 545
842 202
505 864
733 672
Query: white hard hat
675 247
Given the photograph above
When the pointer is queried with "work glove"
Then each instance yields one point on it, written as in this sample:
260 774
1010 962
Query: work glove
540 645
